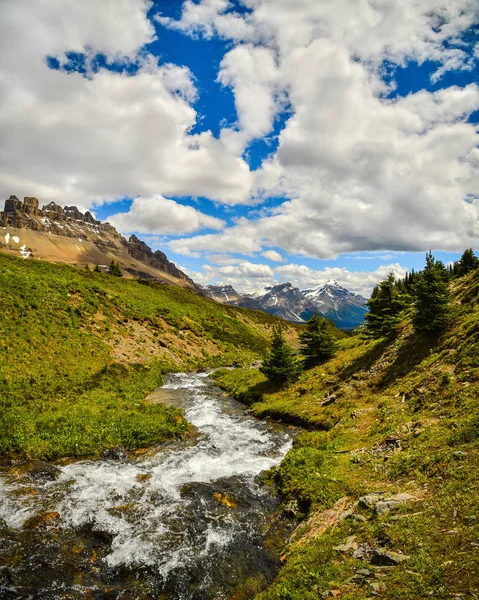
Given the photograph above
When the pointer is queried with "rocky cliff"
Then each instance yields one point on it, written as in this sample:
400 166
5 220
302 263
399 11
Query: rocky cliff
65 234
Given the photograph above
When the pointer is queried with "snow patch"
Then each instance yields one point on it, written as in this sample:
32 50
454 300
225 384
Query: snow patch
16 239
7 238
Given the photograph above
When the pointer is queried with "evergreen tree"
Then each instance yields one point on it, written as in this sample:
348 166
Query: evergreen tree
87 267
467 263
279 365
317 342
385 304
114 269
432 305
97 269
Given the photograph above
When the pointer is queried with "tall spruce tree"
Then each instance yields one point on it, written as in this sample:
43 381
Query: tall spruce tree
280 365
431 290
467 263
385 304
317 342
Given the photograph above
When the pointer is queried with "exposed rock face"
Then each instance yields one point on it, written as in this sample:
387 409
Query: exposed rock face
68 221
158 259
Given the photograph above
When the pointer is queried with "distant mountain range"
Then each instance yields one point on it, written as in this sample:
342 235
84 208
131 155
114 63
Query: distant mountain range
335 302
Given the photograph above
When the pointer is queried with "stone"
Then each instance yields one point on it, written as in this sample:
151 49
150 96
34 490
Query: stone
349 544
369 501
115 453
364 551
387 557
384 506
377 587
329 400
42 471
42 521
331 594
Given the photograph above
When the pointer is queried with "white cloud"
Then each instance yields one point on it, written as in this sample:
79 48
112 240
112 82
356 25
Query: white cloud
273 255
363 172
360 282
163 216
77 139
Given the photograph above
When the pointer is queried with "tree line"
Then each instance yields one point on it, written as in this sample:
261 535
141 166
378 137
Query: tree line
426 291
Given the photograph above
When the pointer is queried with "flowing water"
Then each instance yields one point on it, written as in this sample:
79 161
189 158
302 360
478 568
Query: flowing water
185 521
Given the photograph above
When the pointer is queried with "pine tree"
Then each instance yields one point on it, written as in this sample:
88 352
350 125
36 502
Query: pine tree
114 269
279 365
385 305
432 305
317 342
467 263
97 269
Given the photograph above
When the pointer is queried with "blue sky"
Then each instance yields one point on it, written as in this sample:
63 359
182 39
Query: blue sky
254 143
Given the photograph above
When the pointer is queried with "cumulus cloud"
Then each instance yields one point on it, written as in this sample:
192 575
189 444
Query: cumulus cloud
273 255
245 276
362 171
163 216
360 282
82 139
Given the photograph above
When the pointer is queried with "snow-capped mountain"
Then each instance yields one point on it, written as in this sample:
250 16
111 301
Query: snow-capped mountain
287 302
226 294
335 302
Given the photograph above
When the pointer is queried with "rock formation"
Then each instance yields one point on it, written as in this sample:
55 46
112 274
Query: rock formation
68 221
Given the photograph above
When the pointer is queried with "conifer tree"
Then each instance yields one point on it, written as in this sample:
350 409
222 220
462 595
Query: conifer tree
317 342
385 304
114 269
432 305
97 269
467 263
279 365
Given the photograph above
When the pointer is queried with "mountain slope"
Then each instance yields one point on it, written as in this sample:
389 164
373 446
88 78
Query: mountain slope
386 478
65 235
80 350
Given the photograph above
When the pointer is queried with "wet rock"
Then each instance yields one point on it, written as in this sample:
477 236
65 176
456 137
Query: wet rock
42 521
387 557
3 524
115 453
42 471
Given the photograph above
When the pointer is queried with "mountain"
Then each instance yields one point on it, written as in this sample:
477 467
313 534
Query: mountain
336 303
225 294
66 235
285 301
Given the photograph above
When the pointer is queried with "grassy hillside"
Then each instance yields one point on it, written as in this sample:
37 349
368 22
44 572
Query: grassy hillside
79 351
387 417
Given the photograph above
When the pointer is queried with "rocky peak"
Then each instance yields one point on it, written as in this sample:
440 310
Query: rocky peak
141 251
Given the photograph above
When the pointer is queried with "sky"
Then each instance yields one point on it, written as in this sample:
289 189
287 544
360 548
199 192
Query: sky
253 141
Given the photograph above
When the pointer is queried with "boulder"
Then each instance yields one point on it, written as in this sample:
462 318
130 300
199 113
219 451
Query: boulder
42 471
115 453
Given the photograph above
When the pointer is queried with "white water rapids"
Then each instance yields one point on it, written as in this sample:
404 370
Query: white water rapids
161 509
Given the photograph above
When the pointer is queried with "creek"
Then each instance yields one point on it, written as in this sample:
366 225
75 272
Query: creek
189 520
